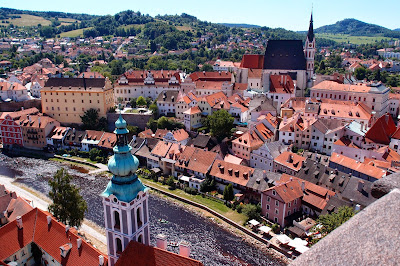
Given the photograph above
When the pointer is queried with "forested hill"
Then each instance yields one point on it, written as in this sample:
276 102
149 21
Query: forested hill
240 25
9 12
357 28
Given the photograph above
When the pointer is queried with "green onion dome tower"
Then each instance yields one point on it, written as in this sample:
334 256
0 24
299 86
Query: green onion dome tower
125 198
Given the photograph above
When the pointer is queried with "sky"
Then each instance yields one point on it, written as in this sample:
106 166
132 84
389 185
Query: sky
288 14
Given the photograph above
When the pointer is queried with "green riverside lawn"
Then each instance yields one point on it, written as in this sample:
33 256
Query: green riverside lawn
212 204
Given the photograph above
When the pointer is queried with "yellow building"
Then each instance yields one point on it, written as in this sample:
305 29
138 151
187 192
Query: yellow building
35 129
67 99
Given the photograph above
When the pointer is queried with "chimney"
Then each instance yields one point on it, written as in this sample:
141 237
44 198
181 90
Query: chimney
184 249
161 241
360 186
303 186
281 79
29 118
134 138
67 229
357 208
19 222
39 120
79 242
64 249
101 260
48 219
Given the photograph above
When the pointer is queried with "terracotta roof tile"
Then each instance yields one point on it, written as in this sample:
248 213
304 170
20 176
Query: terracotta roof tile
136 254
381 130
290 160
350 163
235 173
161 149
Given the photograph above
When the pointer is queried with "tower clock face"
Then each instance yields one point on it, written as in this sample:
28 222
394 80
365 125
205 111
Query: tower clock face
310 45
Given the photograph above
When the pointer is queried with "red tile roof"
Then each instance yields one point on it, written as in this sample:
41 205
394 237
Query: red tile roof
148 133
160 133
381 130
350 163
281 84
161 149
108 140
196 159
314 195
252 61
235 173
288 191
211 76
48 237
136 254
193 110
249 139
180 134
290 160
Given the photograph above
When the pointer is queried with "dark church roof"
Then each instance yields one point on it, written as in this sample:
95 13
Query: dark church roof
285 55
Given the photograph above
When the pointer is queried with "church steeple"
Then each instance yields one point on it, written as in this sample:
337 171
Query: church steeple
309 52
310 34
125 199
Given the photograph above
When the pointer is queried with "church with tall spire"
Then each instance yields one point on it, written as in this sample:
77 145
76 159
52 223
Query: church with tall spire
309 52
125 199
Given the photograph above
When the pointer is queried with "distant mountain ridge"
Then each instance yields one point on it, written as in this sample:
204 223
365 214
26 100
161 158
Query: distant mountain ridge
357 28
240 25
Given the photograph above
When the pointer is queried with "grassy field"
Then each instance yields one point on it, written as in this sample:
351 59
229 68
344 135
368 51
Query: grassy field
68 20
74 33
345 38
136 26
27 21
184 28
212 204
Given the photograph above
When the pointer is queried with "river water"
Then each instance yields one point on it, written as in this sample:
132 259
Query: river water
210 243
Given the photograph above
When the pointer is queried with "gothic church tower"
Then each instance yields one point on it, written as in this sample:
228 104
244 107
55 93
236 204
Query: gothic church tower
125 200
309 52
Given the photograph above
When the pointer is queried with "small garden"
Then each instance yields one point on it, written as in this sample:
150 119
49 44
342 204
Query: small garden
94 155
225 203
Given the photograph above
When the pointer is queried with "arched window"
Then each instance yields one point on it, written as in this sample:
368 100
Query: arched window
140 239
119 246
138 218
117 222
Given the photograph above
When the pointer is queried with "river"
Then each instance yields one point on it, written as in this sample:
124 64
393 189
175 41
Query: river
210 243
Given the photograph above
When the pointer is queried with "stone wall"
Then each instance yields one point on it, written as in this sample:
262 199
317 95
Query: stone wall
16 106
139 120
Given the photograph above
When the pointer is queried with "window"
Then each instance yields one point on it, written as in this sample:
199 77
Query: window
119 246
295 201
276 203
267 206
273 192
288 213
117 222
138 218
290 204
268 198
276 211
275 219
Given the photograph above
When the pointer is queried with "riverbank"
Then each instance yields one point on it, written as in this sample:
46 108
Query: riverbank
92 232
226 226
210 243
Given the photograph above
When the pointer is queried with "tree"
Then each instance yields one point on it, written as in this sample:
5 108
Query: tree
252 211
141 101
90 119
332 221
360 73
207 67
228 193
153 107
220 124
68 205
171 182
